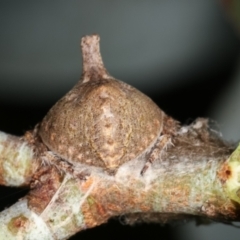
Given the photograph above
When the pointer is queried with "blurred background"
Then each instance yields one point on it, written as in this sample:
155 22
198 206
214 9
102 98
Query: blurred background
184 54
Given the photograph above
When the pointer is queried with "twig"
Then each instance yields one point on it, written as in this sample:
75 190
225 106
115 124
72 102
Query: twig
194 174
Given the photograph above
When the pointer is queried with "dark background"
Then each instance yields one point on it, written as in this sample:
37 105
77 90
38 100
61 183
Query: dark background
183 54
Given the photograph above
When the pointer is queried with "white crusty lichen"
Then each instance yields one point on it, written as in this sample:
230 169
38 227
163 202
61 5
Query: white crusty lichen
19 222
61 218
16 160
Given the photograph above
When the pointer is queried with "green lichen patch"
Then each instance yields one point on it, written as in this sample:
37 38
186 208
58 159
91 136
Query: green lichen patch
233 172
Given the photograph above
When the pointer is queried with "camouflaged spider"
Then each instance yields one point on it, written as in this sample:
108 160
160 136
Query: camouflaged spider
104 122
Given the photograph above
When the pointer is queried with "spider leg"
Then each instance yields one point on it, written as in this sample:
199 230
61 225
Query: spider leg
160 147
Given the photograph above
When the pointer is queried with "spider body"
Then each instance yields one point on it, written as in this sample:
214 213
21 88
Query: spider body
102 121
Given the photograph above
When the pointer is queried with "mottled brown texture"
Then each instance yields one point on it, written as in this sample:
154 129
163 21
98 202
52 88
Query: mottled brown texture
101 121
44 185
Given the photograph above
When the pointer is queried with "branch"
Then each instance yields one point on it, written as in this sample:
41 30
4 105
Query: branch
194 173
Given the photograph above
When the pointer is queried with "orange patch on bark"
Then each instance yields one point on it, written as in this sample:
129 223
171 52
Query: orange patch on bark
16 223
224 173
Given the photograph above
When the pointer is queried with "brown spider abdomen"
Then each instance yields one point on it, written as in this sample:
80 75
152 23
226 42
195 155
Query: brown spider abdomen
102 122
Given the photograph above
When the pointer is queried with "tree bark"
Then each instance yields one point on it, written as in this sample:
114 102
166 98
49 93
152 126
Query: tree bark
197 176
